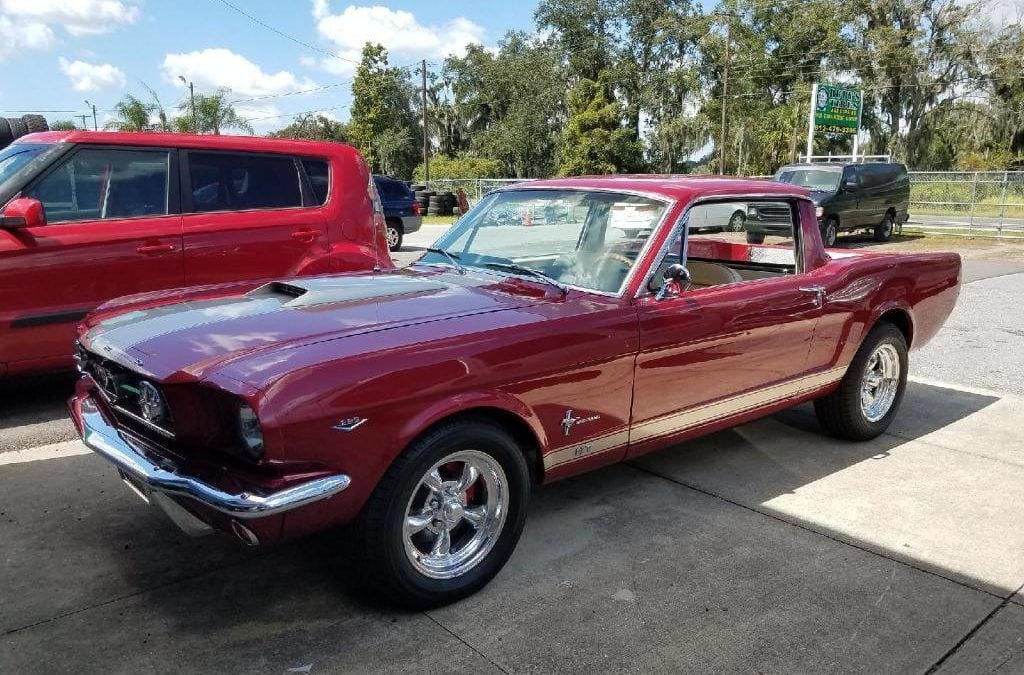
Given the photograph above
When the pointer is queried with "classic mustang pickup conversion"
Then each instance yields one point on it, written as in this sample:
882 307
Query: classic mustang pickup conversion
422 404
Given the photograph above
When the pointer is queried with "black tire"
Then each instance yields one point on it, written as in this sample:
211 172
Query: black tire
35 123
6 137
883 231
394 233
736 222
755 237
841 413
830 232
18 128
380 530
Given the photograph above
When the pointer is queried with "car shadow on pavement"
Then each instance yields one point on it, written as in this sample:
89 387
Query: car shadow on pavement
34 400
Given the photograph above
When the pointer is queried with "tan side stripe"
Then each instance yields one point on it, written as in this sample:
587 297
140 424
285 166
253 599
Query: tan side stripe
733 406
587 448
688 419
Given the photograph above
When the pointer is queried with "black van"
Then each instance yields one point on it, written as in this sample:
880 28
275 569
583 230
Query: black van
873 196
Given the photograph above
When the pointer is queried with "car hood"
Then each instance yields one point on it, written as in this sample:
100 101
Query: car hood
186 340
818 196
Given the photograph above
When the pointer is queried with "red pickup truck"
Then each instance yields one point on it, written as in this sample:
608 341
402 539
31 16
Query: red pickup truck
92 216
423 403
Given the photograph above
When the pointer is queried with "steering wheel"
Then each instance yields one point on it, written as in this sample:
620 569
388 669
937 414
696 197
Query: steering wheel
617 257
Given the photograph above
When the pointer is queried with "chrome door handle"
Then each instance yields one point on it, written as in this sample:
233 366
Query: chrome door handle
817 291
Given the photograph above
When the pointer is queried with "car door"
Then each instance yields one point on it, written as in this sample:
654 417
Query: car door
852 211
250 216
112 229
712 352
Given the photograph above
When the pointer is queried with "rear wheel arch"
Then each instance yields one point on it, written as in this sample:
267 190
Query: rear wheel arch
900 318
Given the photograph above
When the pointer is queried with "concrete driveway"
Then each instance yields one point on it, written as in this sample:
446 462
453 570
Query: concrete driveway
767 548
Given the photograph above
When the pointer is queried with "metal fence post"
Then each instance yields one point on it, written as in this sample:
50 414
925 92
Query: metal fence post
974 202
1002 201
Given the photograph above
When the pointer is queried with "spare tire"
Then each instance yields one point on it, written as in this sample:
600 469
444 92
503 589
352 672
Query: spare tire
18 128
6 137
35 123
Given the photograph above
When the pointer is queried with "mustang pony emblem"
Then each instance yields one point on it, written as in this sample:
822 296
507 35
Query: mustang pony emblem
569 421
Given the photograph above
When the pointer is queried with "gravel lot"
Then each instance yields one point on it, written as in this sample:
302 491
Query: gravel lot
766 548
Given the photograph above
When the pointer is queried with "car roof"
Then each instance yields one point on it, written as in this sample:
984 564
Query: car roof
190 141
837 165
683 188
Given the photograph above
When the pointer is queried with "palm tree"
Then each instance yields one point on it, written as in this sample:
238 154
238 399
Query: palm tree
210 114
131 115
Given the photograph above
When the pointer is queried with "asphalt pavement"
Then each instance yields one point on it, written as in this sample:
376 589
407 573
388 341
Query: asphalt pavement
765 548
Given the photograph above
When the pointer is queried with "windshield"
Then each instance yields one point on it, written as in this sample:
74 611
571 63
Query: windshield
589 240
818 180
14 157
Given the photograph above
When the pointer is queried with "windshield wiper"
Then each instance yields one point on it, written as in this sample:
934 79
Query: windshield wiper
528 271
453 258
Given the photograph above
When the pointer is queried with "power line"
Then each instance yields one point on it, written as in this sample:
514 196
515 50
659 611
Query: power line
257 20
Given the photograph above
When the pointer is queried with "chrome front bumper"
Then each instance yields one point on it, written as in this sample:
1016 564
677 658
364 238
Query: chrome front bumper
156 484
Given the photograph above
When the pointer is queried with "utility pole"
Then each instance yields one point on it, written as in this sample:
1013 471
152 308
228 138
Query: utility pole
95 126
725 93
192 101
83 118
426 152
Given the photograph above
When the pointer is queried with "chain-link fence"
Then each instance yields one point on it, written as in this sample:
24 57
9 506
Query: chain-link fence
980 203
475 188
972 203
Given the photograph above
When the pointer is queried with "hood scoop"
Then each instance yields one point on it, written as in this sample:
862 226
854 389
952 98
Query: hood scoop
333 290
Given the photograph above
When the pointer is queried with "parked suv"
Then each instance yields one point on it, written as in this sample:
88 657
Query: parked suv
92 216
401 210
871 196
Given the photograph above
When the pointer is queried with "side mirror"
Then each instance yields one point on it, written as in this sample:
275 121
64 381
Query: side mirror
850 185
23 212
677 279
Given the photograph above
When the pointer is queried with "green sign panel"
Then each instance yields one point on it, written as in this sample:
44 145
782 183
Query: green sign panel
837 109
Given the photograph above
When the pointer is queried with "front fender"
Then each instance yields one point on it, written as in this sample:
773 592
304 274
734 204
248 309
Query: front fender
468 402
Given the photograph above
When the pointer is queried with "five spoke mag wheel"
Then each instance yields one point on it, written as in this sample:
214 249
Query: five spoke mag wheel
446 516
870 393
456 514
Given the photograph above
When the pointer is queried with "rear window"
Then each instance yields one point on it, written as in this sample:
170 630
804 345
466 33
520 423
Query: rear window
392 191
241 182
318 172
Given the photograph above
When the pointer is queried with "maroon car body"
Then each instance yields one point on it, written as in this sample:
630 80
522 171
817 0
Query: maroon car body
344 372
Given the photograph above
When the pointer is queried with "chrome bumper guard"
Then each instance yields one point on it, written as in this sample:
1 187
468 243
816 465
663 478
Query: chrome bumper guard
151 481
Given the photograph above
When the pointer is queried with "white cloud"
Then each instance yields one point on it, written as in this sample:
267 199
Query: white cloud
217 68
77 17
399 31
92 76
17 36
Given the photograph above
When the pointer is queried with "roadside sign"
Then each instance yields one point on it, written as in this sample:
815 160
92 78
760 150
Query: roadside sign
837 109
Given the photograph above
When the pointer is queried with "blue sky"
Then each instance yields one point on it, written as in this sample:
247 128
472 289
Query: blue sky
55 54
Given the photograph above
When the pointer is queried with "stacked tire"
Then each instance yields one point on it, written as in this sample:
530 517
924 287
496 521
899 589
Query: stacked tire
12 128
441 204
423 197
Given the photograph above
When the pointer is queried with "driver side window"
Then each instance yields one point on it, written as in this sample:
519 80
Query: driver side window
733 242
98 184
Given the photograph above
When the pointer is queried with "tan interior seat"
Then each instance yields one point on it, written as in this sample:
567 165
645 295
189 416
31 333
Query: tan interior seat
703 274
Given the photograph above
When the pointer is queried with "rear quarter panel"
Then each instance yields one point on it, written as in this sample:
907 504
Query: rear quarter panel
862 287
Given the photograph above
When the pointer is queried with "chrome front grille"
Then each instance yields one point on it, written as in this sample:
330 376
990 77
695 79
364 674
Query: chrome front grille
122 389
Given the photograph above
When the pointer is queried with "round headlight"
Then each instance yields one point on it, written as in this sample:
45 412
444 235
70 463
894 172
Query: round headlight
151 403
250 432
820 211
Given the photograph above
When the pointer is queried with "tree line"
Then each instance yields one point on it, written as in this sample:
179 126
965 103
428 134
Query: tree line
606 86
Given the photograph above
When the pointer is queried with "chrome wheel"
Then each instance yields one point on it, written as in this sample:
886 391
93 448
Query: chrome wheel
455 514
880 382
737 221
393 238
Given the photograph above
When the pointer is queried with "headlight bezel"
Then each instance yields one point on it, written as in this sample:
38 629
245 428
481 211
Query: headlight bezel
819 211
250 432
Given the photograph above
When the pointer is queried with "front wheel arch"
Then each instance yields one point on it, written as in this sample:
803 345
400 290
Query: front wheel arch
520 430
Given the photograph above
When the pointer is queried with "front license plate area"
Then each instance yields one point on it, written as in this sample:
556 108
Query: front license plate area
136 486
